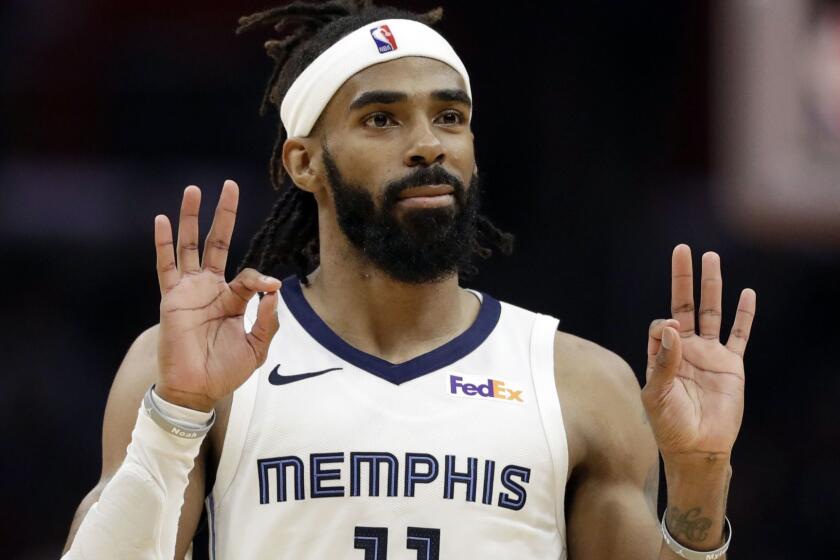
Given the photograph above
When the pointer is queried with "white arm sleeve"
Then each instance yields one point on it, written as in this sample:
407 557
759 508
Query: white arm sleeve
137 513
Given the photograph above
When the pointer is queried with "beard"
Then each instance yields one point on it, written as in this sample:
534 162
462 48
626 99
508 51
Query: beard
422 244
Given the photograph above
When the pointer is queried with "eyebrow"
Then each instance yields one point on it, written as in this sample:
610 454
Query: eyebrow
385 97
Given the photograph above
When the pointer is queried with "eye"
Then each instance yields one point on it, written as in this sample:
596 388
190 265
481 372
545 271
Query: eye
379 120
452 117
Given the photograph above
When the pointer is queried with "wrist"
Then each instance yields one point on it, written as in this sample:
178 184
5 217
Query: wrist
697 468
177 420
187 400
697 494
706 488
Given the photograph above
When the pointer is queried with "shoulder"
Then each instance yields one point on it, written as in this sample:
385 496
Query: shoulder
600 397
581 365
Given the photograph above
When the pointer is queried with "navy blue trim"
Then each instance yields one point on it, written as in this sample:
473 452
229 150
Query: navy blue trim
449 353
212 507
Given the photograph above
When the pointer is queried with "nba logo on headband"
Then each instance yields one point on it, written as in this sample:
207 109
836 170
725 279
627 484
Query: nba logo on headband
384 39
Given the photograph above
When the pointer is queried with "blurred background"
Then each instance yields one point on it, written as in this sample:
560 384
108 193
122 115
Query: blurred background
606 133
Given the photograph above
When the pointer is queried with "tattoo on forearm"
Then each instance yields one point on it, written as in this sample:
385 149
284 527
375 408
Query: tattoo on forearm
688 524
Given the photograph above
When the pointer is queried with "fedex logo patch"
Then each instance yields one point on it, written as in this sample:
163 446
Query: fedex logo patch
384 39
482 387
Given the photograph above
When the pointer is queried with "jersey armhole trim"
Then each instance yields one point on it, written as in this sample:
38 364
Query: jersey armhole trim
548 403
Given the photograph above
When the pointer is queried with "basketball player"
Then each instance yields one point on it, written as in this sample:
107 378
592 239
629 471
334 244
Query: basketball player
368 407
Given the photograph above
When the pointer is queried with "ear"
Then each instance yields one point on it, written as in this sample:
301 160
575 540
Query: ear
299 161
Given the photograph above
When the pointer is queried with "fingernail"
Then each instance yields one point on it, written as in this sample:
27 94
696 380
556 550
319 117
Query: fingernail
269 279
667 339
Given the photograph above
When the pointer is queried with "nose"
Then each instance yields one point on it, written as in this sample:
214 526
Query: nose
426 148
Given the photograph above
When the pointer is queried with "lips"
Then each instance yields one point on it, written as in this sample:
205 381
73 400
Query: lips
427 191
427 196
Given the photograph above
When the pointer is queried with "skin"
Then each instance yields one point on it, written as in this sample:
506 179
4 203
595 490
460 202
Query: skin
689 411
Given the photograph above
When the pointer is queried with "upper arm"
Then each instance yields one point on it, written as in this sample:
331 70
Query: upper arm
136 373
614 461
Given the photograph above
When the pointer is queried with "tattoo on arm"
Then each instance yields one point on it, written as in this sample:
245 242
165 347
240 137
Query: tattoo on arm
689 524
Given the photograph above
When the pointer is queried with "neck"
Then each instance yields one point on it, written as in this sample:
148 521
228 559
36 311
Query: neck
382 316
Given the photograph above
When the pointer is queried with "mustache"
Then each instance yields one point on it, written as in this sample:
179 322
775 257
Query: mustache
435 175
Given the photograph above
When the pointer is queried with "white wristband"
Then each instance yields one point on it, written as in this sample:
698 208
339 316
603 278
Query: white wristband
181 414
187 430
689 554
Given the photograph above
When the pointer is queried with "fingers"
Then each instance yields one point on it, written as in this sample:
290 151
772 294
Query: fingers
655 337
710 296
188 231
167 271
265 327
243 287
682 289
740 334
218 239
663 366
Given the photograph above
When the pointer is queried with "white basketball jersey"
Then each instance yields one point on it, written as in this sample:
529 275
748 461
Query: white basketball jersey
335 454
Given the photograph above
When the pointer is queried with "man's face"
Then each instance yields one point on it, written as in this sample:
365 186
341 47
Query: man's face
421 243
399 162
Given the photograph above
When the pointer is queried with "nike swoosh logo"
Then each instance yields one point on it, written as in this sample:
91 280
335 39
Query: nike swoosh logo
276 379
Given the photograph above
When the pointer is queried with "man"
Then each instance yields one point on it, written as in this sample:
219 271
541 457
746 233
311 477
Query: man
371 408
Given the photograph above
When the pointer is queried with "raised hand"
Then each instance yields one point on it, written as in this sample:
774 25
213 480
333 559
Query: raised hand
204 352
694 395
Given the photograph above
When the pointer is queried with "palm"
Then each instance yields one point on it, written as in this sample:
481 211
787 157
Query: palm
695 394
203 348
704 408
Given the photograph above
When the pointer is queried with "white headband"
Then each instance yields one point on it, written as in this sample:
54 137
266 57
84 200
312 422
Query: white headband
374 43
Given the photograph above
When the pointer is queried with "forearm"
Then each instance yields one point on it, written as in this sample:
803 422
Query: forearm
696 504
137 513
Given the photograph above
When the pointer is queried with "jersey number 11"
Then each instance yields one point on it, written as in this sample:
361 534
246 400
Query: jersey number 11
374 541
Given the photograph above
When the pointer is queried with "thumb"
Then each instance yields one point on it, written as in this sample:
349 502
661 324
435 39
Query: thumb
663 367
265 326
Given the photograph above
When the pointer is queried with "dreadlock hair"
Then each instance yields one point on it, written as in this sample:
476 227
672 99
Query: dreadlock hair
289 236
